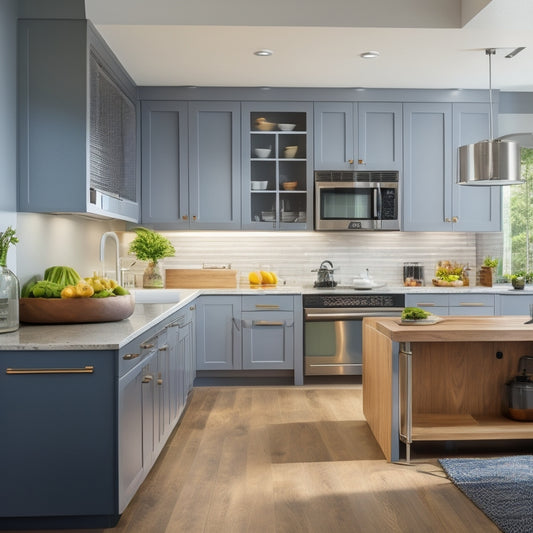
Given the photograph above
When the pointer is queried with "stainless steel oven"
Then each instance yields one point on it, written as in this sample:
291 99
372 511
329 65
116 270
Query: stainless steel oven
356 200
333 338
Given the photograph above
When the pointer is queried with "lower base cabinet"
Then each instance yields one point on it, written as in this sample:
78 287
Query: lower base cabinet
76 443
245 333
461 304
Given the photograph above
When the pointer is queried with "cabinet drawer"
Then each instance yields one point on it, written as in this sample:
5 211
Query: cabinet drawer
426 300
267 302
471 300
135 352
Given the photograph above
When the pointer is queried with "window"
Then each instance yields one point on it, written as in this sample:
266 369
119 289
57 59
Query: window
518 221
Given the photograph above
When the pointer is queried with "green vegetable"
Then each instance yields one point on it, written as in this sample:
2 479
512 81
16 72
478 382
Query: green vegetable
120 291
46 289
414 313
25 292
62 275
103 294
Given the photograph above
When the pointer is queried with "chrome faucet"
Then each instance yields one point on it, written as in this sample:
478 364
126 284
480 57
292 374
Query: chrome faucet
103 240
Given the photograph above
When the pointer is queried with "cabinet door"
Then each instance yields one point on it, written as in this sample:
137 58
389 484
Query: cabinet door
175 373
130 435
511 304
58 433
218 339
379 136
186 350
268 340
165 194
427 192
162 390
335 135
476 208
214 165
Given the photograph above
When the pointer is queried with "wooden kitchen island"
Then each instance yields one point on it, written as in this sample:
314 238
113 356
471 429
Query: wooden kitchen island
442 382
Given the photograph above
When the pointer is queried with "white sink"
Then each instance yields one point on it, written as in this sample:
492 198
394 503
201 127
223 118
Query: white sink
156 296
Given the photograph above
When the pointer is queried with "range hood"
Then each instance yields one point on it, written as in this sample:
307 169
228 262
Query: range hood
493 161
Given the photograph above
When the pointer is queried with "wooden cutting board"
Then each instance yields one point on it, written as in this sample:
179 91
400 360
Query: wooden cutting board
200 278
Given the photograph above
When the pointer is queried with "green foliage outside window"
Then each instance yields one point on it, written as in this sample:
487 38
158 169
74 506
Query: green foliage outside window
521 219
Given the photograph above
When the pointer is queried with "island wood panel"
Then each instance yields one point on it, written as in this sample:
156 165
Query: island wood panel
377 389
464 378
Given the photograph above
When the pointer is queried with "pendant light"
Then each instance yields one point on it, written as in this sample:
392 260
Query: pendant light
492 162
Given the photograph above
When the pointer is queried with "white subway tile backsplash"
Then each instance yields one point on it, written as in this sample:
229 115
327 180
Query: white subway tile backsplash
293 255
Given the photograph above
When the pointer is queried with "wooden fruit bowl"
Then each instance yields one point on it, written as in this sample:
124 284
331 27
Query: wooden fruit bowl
75 310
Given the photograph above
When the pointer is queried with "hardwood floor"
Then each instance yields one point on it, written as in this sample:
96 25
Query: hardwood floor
289 460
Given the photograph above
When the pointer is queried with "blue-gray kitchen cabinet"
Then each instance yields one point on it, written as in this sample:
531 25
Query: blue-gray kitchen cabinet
218 333
432 200
58 434
165 169
276 207
191 164
459 304
77 123
516 302
358 136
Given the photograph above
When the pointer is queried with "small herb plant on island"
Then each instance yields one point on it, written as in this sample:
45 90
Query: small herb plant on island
151 246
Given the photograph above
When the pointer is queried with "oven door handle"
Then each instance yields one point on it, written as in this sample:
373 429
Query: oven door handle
311 316
377 202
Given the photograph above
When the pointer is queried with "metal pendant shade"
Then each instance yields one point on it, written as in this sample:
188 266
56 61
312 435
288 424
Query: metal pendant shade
492 162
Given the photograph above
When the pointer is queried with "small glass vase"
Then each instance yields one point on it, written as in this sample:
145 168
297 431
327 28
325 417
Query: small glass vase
152 277
9 300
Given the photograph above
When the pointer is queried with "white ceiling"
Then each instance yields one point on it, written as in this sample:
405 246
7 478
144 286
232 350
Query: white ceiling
316 43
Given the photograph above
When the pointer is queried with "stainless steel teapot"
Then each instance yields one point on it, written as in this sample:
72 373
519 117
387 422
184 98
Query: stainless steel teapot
325 275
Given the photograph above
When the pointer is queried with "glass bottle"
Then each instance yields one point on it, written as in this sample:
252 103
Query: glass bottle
9 297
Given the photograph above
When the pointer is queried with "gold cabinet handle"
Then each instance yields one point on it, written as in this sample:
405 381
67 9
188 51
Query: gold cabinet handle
147 378
163 348
194 217
267 323
185 217
84 370
147 345
192 308
455 219
129 356
350 161
160 381
361 162
424 304
266 306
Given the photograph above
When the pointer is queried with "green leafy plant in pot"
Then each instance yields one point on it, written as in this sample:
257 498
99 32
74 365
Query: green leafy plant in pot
151 246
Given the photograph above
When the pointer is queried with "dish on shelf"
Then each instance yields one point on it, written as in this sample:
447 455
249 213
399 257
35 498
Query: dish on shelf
289 185
432 319
286 127
262 152
268 216
288 216
290 151
259 185
262 124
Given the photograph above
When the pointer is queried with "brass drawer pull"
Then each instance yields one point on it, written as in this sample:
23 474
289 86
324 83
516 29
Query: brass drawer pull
266 306
147 379
85 370
163 348
129 356
146 345
267 323
471 304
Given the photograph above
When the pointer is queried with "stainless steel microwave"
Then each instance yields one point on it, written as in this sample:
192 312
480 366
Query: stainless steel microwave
358 200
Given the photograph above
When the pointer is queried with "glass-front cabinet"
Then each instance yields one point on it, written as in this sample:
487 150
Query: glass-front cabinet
277 171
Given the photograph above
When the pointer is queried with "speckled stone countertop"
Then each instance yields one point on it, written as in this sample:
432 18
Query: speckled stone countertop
96 336
114 335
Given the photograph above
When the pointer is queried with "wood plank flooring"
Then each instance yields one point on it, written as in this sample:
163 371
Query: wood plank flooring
289 460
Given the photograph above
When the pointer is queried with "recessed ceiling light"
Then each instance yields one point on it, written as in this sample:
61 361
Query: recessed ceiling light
263 53
370 55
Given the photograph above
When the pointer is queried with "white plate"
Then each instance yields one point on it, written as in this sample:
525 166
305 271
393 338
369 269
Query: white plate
422 321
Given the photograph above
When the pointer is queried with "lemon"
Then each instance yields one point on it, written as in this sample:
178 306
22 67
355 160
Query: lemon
274 278
255 278
267 278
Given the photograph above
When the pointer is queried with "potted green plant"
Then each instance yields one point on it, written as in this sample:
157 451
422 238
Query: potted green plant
151 246
487 270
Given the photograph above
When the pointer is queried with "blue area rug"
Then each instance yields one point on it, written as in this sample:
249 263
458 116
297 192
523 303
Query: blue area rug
502 488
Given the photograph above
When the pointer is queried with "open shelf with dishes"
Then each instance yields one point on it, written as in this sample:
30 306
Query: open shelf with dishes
276 166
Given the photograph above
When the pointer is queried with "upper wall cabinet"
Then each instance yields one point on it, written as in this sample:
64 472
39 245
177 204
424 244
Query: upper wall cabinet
191 164
276 165
77 123
358 136
432 200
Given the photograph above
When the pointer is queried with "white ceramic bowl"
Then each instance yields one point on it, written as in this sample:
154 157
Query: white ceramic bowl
363 283
286 127
259 185
262 152
290 151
